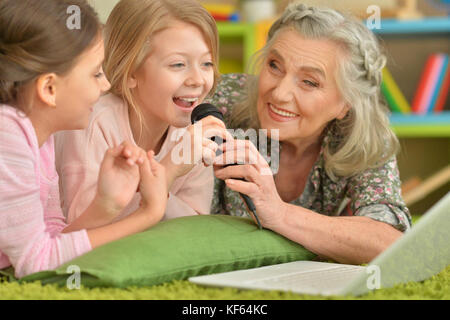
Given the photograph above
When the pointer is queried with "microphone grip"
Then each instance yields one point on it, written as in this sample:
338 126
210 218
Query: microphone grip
251 207
206 109
249 202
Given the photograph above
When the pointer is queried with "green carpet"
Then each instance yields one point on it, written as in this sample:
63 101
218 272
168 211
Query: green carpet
437 287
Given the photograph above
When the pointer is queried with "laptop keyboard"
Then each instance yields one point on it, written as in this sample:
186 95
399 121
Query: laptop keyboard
317 279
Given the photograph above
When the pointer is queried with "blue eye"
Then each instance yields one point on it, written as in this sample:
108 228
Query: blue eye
177 65
311 83
208 64
99 75
272 64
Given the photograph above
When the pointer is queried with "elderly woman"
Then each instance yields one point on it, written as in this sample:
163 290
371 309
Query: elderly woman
337 188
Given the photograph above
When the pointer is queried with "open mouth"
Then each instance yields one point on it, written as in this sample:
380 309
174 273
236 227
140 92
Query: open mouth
186 103
280 114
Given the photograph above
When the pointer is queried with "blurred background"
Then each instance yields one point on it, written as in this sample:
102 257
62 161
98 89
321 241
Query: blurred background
416 38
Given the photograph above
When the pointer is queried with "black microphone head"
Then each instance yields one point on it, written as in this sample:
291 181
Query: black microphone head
203 110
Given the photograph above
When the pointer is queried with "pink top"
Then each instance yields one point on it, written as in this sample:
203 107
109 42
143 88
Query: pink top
80 153
31 220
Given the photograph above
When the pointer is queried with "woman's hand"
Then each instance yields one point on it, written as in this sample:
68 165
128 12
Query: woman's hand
259 184
119 177
195 147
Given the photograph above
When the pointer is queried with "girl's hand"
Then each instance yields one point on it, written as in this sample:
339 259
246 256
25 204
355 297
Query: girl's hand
119 177
259 184
153 187
195 147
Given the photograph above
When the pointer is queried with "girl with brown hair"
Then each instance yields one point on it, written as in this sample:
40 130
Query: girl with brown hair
50 77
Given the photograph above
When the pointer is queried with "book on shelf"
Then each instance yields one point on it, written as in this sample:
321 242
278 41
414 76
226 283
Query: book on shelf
222 11
432 90
394 96
442 96
433 86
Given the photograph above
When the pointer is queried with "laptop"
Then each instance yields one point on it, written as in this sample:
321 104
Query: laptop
419 254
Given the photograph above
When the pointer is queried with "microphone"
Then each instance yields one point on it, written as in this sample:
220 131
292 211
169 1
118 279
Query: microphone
202 111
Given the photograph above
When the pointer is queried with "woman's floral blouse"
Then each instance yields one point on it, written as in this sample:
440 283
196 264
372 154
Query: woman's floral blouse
374 193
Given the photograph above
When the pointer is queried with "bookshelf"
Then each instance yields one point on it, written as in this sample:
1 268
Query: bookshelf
424 139
247 32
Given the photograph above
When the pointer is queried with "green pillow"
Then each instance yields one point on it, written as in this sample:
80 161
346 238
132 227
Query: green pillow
176 250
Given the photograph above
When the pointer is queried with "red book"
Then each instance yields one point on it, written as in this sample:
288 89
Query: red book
220 16
417 103
440 102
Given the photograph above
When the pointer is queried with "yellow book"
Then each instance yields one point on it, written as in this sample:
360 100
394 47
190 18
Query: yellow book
394 96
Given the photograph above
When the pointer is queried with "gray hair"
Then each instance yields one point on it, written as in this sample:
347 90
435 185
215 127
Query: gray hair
365 139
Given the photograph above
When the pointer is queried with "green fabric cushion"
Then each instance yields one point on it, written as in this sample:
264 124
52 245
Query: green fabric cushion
177 249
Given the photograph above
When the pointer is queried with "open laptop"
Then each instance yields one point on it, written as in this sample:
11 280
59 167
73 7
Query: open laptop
419 254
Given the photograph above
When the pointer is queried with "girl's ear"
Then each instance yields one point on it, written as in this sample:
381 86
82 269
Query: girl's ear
132 82
46 89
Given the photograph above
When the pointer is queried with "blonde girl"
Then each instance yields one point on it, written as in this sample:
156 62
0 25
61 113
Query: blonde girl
161 59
